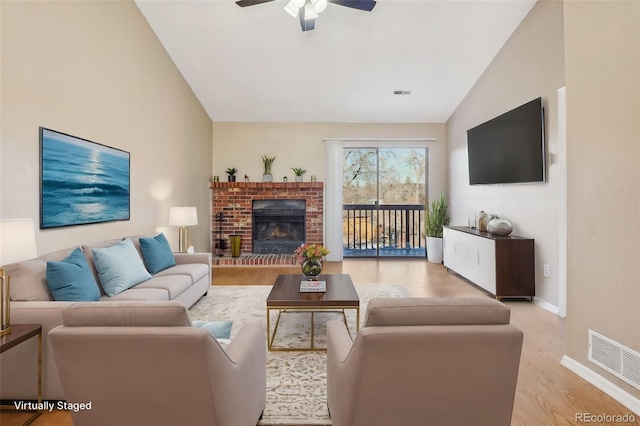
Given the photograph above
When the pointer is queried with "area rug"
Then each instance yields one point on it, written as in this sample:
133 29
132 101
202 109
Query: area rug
296 381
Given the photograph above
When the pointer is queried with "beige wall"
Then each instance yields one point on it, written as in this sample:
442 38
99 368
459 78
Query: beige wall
603 141
96 70
530 65
242 145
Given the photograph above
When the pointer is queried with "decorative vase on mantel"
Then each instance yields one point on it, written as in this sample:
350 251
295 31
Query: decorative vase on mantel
311 268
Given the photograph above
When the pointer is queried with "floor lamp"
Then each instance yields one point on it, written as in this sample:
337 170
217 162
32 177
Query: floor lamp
183 217
17 242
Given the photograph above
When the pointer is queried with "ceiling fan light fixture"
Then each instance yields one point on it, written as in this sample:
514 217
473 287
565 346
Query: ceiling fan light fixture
309 12
292 9
319 5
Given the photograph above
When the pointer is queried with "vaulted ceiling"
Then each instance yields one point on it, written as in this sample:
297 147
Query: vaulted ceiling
254 64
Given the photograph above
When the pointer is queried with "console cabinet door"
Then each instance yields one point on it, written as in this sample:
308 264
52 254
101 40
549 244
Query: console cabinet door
472 257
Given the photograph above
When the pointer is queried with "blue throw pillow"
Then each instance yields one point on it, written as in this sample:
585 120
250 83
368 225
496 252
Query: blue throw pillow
71 279
119 267
157 253
218 329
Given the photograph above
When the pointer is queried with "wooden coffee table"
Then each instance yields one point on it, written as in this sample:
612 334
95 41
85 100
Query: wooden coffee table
285 296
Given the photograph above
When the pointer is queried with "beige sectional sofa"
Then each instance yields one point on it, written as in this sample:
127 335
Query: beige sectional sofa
32 303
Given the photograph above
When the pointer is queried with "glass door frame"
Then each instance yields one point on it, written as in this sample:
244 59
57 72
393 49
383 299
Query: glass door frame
333 182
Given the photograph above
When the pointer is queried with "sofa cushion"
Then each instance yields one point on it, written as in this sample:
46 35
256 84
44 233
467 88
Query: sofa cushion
157 253
195 271
139 294
174 284
126 314
435 311
218 329
119 267
29 277
71 279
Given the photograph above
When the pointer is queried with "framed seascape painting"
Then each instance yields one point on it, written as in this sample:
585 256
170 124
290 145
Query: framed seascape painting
81 182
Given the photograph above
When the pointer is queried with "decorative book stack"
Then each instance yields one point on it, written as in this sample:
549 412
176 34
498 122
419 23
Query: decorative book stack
313 286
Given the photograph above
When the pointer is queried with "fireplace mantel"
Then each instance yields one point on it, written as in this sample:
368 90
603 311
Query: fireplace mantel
269 185
234 200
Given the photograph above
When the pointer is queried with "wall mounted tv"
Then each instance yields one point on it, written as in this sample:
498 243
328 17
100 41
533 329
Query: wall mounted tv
509 148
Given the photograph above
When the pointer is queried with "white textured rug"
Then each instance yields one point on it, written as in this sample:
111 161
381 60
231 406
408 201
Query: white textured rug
296 381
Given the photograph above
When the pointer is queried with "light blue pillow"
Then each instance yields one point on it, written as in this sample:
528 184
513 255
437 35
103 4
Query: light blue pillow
218 329
157 253
119 267
71 279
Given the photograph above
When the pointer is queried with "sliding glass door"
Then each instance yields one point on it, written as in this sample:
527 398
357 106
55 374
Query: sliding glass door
384 192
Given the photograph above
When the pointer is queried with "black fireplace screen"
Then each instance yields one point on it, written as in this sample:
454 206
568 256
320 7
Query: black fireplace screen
278 225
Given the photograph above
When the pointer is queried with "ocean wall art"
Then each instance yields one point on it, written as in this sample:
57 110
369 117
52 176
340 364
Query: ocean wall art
81 181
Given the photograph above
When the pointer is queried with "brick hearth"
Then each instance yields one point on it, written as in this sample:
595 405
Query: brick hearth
234 200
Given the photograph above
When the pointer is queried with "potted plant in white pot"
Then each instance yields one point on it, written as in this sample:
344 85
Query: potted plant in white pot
435 219
267 162
299 172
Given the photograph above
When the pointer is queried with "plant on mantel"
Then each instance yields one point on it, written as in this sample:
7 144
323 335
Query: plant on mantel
231 171
267 162
299 172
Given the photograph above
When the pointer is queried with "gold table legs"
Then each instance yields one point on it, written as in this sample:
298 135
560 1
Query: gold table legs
288 309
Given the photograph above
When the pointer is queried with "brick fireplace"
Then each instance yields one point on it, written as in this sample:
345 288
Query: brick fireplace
235 201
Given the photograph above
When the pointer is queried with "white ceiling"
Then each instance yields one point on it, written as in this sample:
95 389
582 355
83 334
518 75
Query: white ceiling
254 64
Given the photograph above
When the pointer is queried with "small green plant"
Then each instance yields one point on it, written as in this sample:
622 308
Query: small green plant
231 171
267 162
435 217
298 171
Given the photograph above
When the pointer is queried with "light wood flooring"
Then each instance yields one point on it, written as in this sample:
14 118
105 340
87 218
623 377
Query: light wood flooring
547 392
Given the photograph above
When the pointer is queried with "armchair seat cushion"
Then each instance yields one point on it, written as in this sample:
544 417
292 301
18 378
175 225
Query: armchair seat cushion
435 311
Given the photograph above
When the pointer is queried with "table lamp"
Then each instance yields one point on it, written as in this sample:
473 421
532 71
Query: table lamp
17 242
183 217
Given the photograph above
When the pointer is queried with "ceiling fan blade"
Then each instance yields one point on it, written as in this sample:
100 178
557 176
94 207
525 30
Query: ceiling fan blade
367 5
245 3
306 24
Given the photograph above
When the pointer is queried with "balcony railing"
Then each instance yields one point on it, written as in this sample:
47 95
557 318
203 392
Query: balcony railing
385 230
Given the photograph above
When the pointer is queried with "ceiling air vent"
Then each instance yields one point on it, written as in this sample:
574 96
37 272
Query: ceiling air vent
402 92
614 357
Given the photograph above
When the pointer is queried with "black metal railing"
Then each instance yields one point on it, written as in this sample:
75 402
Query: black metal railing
391 226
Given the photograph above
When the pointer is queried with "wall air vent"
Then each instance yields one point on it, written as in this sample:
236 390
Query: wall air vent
614 357
402 92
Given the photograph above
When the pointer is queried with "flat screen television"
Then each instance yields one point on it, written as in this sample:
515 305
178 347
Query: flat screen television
509 148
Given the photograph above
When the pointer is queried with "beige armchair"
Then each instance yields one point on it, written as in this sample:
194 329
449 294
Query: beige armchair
423 361
143 363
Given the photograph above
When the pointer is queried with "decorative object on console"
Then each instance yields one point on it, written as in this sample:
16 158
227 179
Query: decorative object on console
17 243
183 217
435 219
310 255
231 172
484 218
499 227
299 172
267 162
472 218
77 172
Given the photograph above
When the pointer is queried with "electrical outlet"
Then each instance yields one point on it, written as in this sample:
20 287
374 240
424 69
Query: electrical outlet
546 271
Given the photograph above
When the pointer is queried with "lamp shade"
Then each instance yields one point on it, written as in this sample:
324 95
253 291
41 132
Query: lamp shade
17 240
183 216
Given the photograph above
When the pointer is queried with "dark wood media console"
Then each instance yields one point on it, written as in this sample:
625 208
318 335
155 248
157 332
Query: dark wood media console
502 265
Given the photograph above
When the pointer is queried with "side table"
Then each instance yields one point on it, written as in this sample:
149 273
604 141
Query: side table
20 333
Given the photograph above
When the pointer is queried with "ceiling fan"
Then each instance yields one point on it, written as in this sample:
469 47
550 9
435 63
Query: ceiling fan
308 10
